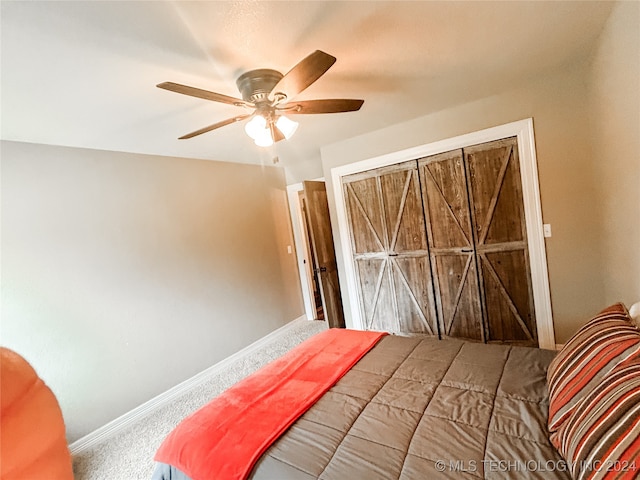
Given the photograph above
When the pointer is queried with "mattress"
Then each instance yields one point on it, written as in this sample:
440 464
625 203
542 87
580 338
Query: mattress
419 407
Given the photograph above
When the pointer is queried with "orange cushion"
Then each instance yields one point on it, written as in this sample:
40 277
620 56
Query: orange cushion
33 433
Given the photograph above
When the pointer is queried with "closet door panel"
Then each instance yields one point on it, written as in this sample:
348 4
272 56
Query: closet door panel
414 294
450 236
403 210
376 294
369 243
459 304
496 192
408 251
447 204
389 241
364 208
498 216
507 296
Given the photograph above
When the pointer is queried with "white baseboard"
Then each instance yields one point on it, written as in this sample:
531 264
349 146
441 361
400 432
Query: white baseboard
146 408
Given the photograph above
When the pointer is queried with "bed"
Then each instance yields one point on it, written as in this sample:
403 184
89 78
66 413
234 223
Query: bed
419 407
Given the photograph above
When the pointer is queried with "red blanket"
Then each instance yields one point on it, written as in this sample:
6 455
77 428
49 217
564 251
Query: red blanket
225 438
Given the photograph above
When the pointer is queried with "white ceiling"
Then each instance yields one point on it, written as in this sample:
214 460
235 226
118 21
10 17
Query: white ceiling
83 73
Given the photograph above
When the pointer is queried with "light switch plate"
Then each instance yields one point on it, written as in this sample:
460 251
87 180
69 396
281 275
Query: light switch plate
546 228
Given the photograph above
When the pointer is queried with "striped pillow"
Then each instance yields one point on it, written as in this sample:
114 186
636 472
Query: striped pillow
606 340
601 440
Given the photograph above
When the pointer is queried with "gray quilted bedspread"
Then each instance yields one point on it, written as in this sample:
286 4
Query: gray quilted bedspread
425 409
422 408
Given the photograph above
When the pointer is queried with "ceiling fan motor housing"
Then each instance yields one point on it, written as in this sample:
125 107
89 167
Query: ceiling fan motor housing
256 85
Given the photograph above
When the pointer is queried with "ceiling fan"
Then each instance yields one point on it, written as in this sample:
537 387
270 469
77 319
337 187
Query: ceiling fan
269 94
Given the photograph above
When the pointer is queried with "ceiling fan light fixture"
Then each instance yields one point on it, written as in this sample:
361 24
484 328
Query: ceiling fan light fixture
258 130
287 126
255 126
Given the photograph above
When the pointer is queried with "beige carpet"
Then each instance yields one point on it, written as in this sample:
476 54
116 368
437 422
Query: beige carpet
129 454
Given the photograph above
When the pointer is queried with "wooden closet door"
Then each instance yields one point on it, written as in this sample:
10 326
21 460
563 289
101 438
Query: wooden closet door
495 191
451 242
390 250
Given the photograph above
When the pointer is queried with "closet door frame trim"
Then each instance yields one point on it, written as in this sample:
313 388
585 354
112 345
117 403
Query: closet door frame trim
523 130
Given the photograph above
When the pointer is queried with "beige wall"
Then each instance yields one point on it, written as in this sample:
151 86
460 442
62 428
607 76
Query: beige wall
556 102
124 274
615 97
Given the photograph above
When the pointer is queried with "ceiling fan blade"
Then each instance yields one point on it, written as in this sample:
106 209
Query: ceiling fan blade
337 105
207 95
228 121
303 74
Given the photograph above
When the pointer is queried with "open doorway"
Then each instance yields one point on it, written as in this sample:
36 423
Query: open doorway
303 250
315 252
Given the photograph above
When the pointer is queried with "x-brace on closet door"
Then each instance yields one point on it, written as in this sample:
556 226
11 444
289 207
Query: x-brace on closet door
451 240
477 236
495 192
390 250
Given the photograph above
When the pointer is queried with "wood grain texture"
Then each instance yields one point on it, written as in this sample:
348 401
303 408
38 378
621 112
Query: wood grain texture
446 206
388 235
495 191
323 250
440 245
